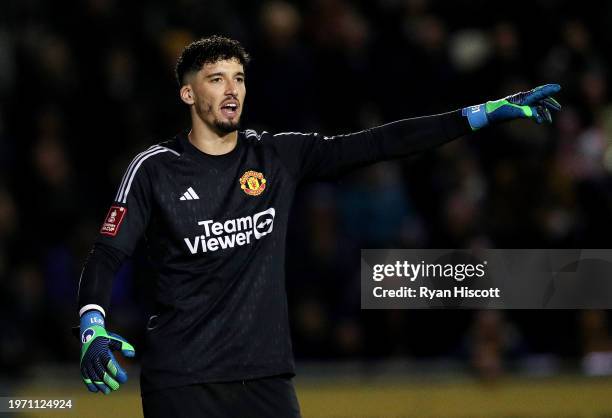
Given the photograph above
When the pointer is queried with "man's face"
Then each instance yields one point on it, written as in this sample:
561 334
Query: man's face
218 94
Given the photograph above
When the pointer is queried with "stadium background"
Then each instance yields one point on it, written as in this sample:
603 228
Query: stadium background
86 85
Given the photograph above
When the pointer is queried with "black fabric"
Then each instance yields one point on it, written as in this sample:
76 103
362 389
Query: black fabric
313 156
97 276
218 244
272 397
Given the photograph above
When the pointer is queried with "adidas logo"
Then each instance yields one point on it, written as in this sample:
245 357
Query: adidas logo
190 194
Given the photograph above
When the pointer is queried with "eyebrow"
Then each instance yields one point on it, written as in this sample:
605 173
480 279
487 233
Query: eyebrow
239 73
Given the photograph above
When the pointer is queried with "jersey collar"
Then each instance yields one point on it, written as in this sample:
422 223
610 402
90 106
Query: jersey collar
203 157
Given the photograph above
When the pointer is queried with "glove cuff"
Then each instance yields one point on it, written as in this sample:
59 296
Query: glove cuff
92 327
92 318
476 115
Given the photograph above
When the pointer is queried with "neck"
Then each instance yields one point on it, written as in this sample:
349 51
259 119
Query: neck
209 141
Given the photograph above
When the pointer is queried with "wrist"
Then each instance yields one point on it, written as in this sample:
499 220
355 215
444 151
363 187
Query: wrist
92 327
476 116
92 318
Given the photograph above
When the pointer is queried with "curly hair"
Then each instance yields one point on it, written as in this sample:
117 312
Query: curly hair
208 50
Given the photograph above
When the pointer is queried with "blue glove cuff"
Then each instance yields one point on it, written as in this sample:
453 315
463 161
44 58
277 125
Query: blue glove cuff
476 115
91 318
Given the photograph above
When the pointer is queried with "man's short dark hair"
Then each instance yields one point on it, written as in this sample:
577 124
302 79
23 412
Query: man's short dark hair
207 51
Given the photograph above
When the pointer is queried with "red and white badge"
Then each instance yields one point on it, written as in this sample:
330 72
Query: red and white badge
113 220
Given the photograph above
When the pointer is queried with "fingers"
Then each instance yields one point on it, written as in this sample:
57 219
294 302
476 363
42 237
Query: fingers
540 93
115 369
117 342
551 104
110 382
88 383
541 115
535 114
97 379
107 379
546 114
550 89
101 372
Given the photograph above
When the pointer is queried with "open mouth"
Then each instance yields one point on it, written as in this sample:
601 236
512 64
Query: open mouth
229 109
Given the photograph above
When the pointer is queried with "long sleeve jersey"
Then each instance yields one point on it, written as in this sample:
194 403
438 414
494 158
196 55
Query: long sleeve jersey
215 229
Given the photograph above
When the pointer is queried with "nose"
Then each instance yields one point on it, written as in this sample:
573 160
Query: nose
231 88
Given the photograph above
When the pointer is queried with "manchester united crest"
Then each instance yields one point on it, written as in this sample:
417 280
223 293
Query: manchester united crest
253 183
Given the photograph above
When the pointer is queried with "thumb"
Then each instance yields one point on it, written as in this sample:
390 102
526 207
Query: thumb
117 342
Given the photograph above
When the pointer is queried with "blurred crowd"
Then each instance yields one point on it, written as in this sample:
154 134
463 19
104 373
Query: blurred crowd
86 85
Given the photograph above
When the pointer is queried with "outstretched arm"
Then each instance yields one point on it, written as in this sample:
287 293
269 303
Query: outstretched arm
315 156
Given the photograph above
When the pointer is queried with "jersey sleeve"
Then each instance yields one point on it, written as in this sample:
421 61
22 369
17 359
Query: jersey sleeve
128 216
316 156
96 282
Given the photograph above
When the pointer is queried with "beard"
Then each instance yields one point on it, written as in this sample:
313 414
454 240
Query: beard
220 126
226 127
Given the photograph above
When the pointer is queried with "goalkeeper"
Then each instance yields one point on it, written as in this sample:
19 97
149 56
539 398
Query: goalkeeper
212 204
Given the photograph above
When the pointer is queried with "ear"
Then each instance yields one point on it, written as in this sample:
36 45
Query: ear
187 95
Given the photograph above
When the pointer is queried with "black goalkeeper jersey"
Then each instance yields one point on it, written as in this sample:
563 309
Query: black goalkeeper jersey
215 228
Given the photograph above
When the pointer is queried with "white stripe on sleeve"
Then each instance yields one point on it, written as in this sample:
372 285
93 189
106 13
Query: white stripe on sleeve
130 169
126 191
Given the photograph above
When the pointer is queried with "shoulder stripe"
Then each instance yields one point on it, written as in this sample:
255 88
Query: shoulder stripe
294 133
250 133
136 167
171 150
128 171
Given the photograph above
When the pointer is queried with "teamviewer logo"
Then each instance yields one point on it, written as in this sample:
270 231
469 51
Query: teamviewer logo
263 222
